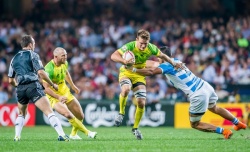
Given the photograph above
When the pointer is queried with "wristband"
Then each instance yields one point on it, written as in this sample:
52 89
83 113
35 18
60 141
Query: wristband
134 70
52 85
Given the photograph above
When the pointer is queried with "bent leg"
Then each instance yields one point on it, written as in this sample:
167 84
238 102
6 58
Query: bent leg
43 105
125 84
63 110
75 107
140 95
196 124
222 112
229 116
206 127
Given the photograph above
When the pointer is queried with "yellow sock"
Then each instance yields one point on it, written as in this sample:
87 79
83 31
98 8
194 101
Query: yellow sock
122 101
74 130
78 125
138 115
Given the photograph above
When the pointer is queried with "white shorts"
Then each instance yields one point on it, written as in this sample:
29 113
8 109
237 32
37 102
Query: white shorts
202 99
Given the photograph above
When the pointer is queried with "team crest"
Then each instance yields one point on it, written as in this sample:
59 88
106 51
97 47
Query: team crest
124 48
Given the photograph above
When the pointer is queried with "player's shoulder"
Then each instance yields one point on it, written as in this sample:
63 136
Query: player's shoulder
33 53
50 64
129 45
153 49
152 46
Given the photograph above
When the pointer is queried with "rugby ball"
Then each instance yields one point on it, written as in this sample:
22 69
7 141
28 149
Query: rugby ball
128 55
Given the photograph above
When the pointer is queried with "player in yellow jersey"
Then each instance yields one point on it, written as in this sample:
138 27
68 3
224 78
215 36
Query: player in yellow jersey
62 100
128 80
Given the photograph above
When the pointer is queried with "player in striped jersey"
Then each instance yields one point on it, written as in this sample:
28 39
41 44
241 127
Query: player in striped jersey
200 93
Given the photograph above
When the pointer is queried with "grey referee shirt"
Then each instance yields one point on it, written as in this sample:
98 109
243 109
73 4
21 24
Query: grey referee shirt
24 66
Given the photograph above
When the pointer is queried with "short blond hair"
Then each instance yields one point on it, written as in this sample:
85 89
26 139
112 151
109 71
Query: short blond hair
144 34
58 50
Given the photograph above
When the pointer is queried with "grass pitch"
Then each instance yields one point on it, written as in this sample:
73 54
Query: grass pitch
44 138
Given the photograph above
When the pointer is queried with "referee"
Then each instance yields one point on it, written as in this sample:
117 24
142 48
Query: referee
24 72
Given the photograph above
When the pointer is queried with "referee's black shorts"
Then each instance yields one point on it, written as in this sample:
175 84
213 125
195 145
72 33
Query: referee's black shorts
29 92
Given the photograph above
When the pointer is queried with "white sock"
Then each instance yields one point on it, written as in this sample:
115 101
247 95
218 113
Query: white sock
55 123
19 125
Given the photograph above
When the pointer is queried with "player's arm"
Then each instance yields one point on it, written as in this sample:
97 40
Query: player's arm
147 71
38 66
166 57
42 74
13 82
152 64
70 82
117 57
11 75
49 91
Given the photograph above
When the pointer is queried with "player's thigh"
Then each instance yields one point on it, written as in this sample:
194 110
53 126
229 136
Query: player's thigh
43 105
63 110
125 84
125 79
75 107
212 98
198 103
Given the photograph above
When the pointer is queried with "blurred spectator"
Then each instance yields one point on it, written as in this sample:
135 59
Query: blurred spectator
155 94
222 94
3 95
234 97
215 48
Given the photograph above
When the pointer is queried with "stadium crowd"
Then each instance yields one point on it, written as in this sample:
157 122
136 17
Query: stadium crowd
215 49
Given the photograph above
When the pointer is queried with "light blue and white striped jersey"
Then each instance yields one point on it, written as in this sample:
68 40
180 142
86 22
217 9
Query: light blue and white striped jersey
184 80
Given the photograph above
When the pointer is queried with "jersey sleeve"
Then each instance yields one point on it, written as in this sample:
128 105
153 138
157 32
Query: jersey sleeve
36 62
154 49
127 47
11 72
166 68
49 70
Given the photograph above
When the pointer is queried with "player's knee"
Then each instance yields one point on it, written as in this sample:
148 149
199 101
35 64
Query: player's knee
125 86
141 102
195 120
81 116
194 124
214 109
125 91
68 115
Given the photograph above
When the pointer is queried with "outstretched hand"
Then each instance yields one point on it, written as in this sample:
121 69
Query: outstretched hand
180 66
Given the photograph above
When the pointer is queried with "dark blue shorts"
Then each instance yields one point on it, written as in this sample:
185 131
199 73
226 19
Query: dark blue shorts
29 92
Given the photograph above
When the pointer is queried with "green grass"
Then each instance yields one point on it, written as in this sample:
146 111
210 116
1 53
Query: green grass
44 138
